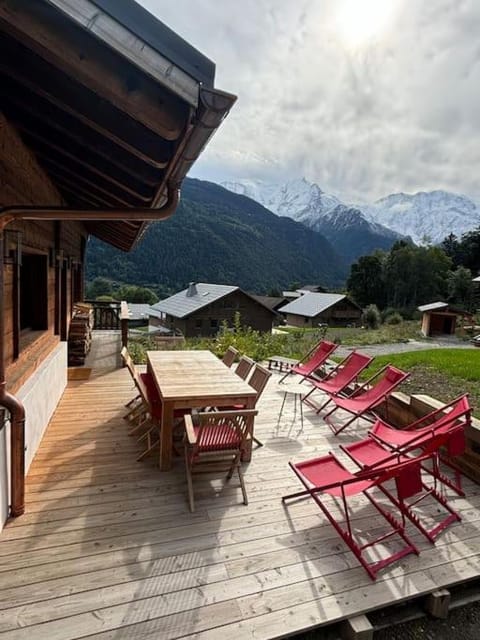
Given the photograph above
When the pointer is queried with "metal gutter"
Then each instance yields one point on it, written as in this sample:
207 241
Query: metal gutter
99 23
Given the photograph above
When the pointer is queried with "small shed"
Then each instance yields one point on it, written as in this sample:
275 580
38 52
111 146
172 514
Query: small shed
439 318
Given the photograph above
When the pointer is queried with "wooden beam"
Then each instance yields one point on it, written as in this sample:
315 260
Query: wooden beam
83 57
78 105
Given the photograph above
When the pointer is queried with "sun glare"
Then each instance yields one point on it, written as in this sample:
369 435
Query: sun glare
358 22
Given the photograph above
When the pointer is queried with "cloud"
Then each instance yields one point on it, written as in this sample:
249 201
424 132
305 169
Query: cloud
396 111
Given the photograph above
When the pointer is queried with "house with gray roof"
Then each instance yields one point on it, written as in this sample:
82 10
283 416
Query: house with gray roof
312 309
202 308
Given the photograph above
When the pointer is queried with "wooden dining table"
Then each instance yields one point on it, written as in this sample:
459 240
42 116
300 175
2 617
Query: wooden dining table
192 379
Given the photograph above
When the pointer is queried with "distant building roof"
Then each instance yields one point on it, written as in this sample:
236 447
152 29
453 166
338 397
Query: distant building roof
311 304
271 302
433 306
291 294
196 296
312 288
141 311
477 279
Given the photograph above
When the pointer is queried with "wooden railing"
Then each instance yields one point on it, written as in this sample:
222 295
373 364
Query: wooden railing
106 315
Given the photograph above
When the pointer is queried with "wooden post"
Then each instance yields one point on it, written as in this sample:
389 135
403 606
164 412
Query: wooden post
437 603
356 628
124 323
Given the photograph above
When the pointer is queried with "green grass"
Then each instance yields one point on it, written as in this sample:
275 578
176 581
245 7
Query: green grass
441 373
457 363
356 336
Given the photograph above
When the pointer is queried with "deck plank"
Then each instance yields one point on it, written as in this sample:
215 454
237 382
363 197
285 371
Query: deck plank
108 548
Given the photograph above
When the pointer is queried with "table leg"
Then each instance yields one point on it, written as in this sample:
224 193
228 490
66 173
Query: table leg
166 437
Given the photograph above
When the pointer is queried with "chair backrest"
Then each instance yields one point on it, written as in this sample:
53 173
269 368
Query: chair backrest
244 367
447 430
320 355
349 369
258 380
384 385
450 413
128 362
230 355
222 430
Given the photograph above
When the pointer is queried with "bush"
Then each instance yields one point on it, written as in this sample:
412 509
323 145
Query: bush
393 318
371 317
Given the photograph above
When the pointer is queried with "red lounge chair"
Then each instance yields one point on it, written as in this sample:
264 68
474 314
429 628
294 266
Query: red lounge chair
328 476
339 378
384 440
316 359
368 396
369 453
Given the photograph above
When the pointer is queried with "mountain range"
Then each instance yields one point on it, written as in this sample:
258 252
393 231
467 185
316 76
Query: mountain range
357 229
221 237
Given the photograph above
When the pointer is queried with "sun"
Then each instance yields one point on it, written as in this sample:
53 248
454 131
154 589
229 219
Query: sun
358 22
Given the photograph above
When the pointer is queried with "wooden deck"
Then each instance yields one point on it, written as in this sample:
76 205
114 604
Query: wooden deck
108 548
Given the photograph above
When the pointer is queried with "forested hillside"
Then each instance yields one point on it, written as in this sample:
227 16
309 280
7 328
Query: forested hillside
218 236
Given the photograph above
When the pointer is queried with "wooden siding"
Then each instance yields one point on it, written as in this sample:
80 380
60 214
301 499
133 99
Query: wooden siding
338 315
252 314
108 548
23 182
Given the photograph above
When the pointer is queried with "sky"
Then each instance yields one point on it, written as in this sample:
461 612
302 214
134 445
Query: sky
363 97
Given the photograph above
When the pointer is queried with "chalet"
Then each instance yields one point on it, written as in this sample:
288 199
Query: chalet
312 309
201 309
104 110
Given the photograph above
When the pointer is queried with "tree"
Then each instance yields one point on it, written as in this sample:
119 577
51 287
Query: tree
99 287
461 288
132 293
366 282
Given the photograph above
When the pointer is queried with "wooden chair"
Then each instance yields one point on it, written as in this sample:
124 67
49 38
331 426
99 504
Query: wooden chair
230 355
214 442
137 406
244 367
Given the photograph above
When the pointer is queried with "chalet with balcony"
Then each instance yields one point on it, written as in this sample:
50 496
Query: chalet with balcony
202 308
104 110
311 309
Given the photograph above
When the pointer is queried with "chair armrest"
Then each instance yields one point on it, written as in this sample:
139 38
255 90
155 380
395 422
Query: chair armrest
189 430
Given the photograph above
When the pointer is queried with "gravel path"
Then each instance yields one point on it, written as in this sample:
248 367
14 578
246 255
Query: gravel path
402 347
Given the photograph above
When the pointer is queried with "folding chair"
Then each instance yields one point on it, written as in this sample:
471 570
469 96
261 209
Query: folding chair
383 440
316 360
339 379
137 408
215 441
244 367
328 476
258 380
367 396
229 357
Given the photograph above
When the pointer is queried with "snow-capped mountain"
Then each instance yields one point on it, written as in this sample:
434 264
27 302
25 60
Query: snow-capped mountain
345 226
427 217
298 199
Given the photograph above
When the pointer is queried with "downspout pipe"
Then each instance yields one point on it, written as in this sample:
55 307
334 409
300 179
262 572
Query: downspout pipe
7 400
17 415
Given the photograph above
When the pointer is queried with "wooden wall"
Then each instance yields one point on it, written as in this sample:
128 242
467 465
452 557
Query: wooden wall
24 182
252 314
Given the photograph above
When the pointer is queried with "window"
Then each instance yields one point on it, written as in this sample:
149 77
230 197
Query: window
198 323
33 292
213 323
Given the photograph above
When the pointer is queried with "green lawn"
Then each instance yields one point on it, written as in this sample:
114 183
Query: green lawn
441 373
